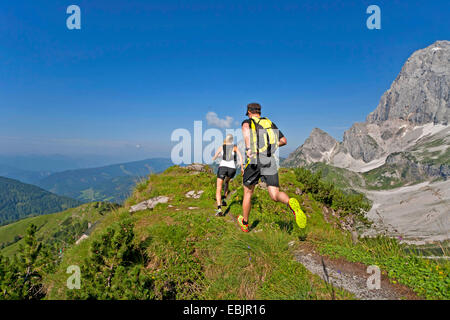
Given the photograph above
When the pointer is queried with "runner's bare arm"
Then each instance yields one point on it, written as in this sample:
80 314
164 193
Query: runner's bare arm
246 135
282 142
219 151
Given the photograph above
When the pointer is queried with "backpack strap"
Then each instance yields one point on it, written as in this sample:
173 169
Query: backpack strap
255 140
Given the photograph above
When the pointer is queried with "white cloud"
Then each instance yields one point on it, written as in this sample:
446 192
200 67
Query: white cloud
215 121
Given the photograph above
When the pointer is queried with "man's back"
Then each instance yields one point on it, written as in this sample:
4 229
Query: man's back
264 136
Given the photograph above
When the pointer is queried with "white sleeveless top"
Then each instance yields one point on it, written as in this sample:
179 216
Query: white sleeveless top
230 163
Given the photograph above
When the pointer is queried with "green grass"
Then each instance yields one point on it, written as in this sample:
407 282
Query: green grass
422 152
192 254
437 157
343 179
206 257
56 227
428 278
429 144
385 177
402 264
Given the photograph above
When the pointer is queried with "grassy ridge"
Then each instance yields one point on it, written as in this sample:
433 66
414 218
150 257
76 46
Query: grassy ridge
190 253
180 250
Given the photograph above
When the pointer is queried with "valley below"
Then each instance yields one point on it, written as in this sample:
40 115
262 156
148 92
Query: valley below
415 214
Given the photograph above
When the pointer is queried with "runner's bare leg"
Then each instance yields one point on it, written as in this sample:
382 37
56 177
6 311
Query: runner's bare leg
219 191
227 180
277 195
247 202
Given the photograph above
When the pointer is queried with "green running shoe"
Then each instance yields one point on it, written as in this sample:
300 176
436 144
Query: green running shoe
299 215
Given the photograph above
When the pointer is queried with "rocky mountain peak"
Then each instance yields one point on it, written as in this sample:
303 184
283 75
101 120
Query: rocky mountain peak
320 139
420 93
416 105
319 147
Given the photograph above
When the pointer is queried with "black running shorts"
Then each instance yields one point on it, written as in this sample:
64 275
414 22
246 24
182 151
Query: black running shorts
224 172
253 173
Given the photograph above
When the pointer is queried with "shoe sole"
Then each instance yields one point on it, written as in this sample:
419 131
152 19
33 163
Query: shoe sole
300 216
240 225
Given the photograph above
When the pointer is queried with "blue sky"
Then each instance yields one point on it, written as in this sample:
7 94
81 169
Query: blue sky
137 70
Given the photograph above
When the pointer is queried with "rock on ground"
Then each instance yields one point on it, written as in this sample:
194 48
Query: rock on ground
193 194
84 236
198 167
149 204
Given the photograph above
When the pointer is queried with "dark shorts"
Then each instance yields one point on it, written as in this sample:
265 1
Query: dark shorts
224 172
253 173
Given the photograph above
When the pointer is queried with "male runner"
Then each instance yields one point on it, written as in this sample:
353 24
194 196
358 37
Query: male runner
262 138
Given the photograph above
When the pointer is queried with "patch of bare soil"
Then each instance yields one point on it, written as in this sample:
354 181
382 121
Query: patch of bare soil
350 276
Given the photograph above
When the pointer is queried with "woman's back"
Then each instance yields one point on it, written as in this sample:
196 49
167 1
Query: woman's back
228 156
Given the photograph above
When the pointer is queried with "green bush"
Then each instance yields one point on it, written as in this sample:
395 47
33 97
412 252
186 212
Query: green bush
328 194
113 269
21 278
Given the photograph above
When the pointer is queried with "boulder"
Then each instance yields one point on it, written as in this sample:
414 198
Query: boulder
149 204
194 194
198 167
84 236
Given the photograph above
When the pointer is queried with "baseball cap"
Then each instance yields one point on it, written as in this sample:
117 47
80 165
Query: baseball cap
254 108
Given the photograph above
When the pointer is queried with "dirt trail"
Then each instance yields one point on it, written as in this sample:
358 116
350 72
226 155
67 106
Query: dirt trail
350 276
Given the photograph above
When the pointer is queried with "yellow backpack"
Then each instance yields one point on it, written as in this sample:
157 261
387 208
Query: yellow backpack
263 128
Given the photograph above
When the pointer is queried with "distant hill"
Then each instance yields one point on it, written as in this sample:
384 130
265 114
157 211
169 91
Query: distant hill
20 200
112 183
27 176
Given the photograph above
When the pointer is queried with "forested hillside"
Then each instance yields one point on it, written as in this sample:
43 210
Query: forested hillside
19 200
